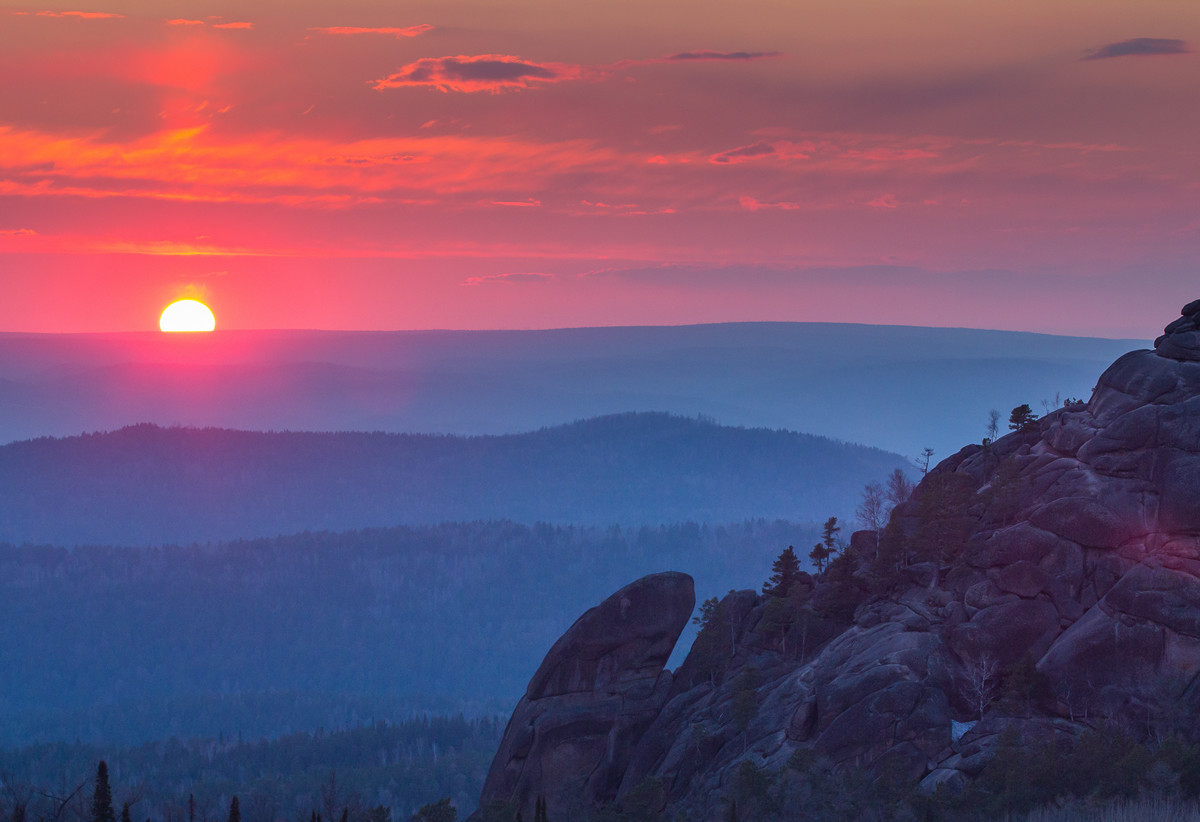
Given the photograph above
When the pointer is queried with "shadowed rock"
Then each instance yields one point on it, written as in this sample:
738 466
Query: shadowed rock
592 698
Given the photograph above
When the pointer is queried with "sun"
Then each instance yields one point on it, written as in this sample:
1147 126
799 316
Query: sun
187 315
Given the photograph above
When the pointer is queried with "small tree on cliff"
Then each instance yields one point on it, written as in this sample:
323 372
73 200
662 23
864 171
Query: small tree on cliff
819 556
778 616
1022 418
899 489
708 609
235 812
784 573
872 511
923 460
714 645
890 558
829 532
993 427
842 591
827 547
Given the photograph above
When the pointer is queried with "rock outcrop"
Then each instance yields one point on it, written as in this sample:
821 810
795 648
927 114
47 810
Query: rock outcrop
1069 550
586 709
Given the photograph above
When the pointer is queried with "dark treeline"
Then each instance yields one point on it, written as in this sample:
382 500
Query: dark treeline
146 485
399 767
272 636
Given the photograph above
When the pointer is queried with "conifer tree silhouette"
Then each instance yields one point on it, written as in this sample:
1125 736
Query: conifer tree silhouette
102 806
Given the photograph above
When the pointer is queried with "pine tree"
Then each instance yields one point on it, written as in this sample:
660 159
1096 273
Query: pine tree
829 533
125 817
235 813
1022 418
708 610
191 807
784 573
819 554
102 806
539 814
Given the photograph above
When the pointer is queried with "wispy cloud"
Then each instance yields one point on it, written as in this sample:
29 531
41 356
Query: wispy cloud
743 153
515 277
751 204
17 232
483 72
724 55
1139 47
241 24
181 21
530 203
407 31
82 15
203 165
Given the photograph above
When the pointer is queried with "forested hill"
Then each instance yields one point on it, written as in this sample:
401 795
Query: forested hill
149 485
273 636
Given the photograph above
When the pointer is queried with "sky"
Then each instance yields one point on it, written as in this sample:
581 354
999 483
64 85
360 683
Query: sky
373 164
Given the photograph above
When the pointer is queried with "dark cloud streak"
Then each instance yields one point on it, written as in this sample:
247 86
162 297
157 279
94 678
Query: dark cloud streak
750 152
723 55
485 72
1139 47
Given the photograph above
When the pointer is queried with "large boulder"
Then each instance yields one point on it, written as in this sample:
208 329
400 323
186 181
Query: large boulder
587 706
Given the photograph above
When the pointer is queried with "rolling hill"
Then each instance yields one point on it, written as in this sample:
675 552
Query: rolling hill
149 485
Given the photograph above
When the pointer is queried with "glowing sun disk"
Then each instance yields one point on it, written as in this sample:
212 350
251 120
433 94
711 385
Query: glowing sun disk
187 315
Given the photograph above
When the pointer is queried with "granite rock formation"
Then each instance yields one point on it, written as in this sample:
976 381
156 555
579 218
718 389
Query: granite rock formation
589 704
1068 550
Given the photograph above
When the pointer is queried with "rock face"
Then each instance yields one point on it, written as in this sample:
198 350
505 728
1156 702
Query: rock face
1077 561
587 707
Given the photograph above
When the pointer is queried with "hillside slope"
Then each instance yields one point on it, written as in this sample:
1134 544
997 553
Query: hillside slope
264 637
150 485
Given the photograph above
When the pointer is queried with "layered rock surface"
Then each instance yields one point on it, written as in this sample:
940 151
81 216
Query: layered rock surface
589 704
1081 560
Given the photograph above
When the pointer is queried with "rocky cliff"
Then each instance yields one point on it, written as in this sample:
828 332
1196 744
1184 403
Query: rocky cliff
1061 561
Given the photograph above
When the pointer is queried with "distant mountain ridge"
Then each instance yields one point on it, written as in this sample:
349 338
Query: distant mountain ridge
149 485
897 387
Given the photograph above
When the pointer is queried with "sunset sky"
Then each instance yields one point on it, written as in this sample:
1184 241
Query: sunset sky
1027 164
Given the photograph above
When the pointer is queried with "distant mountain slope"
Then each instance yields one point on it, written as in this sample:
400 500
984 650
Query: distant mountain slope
151 485
900 388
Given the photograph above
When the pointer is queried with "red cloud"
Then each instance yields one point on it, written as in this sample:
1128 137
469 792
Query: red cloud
408 31
83 15
237 25
481 72
751 204
180 21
